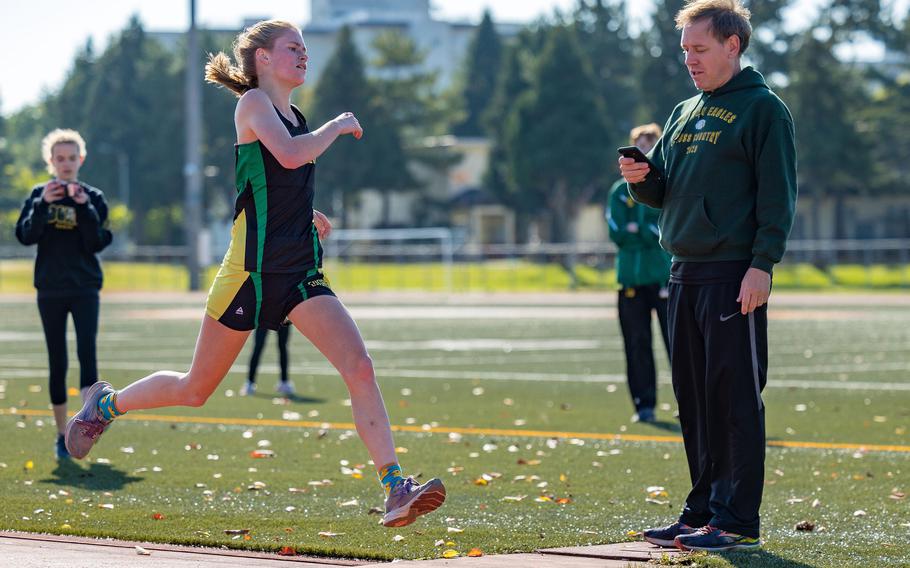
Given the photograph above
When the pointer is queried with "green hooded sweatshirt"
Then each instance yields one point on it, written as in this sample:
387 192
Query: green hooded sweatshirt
641 261
726 183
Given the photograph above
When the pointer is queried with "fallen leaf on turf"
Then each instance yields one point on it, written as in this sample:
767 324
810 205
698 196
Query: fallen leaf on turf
262 454
351 503
103 461
805 526
454 530
514 498
543 499
29 464
449 553
142 552
633 533
794 500
157 516
481 481
236 531
475 552
897 495
105 506
563 500
859 513
290 508
328 534
65 526
287 551
439 542
375 511
656 501
398 538
816 503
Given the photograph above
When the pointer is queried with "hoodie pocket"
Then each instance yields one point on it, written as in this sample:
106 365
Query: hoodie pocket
685 228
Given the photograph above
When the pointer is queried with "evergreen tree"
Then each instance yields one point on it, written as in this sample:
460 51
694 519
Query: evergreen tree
345 169
554 138
825 96
478 77
663 79
497 181
604 36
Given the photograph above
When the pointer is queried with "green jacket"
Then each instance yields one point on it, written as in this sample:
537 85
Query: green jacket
727 175
641 261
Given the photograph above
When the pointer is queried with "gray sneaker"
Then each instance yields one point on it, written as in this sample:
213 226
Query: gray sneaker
409 500
83 429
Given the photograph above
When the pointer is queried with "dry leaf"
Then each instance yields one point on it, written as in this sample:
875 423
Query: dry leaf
328 534
475 552
805 526
158 516
287 551
262 454
236 531
514 498
449 553
454 530
398 538
859 513
351 503
142 552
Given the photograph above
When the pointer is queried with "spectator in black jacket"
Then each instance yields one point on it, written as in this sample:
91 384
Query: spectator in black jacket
67 219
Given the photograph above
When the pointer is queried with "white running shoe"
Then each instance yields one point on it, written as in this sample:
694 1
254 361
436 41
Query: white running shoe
248 389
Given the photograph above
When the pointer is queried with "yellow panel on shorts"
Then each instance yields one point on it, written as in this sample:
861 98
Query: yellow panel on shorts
224 288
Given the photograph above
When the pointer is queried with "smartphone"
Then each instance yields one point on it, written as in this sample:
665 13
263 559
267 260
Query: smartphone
636 154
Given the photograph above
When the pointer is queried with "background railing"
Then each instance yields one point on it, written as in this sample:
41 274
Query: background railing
431 260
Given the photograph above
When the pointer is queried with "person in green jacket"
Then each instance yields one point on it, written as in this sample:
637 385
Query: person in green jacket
725 180
642 270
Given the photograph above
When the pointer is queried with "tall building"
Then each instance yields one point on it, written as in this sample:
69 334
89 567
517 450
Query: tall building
444 43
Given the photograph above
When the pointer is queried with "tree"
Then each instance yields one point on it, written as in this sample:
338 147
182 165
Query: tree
497 180
554 136
663 79
603 29
478 77
824 96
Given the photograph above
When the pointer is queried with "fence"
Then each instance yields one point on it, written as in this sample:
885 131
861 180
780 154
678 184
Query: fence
429 259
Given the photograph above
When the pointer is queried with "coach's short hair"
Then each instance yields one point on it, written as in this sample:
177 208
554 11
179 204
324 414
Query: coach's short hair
651 129
728 18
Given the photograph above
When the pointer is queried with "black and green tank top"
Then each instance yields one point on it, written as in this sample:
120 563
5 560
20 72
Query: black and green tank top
273 216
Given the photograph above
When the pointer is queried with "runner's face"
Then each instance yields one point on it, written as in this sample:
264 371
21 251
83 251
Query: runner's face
66 161
287 60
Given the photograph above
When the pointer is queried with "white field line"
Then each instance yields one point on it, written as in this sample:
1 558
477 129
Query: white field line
27 369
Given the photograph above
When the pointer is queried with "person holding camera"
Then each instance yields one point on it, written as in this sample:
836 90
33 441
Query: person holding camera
642 270
67 219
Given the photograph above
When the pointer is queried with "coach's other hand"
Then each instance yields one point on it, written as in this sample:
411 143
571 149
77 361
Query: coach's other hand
754 290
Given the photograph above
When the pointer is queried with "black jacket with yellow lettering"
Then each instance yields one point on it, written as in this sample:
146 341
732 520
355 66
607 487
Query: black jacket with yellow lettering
727 179
69 236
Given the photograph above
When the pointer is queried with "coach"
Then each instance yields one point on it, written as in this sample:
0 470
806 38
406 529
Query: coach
726 184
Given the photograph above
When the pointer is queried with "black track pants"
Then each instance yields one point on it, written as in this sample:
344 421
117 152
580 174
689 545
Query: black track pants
261 333
719 361
635 311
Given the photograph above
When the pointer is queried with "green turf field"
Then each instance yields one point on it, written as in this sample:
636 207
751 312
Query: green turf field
518 404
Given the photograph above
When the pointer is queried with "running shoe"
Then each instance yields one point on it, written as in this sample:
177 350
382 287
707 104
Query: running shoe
62 454
408 500
285 387
665 536
84 429
713 539
248 389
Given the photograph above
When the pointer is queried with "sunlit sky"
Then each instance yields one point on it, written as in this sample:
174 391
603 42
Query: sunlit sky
40 38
